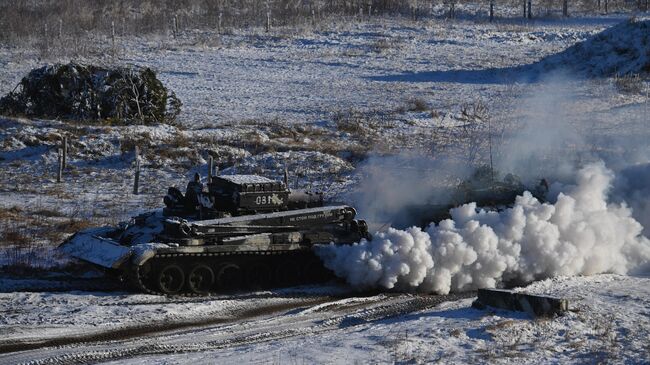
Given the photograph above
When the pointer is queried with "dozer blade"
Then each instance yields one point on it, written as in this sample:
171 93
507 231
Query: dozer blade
90 246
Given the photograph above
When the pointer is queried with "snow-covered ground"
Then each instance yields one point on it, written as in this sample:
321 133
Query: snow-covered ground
306 75
608 322
334 105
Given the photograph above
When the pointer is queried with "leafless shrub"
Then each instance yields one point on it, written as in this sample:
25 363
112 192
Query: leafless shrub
352 126
383 45
286 131
58 191
476 133
500 325
51 22
417 105
456 332
629 84
144 141
180 140
20 247
10 213
604 329
73 225
48 213
278 135
514 27
399 347
77 28
256 142
182 156
128 144
14 236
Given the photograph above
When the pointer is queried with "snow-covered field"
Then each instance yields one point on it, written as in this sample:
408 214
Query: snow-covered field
352 108
608 322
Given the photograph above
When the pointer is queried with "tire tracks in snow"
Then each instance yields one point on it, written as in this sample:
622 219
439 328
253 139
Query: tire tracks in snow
301 322
134 331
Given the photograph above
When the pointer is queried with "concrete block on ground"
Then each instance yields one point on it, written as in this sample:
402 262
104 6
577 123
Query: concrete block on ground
536 305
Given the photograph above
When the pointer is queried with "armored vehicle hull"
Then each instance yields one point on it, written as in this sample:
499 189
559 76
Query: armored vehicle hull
484 187
242 249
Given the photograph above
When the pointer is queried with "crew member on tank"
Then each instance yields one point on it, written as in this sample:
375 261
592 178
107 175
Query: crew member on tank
194 189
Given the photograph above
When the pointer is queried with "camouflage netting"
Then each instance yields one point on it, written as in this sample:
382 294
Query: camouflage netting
86 92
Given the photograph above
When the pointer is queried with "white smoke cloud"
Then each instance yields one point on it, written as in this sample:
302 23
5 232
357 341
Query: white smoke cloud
597 220
392 187
580 234
550 136
632 185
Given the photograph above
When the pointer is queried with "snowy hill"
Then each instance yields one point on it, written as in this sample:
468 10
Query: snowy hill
620 50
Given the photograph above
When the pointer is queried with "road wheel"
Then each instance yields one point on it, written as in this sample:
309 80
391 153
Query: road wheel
171 279
201 279
229 277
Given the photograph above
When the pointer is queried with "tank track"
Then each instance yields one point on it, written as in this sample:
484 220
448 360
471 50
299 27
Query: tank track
231 271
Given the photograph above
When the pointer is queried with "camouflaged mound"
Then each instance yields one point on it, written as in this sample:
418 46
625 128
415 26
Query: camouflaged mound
85 92
623 49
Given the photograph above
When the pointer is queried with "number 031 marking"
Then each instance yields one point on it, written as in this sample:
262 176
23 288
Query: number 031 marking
263 200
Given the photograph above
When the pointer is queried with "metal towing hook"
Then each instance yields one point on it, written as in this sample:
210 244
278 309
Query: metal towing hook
185 228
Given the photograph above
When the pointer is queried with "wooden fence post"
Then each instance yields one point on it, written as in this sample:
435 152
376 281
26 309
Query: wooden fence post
59 175
268 17
113 36
491 10
416 8
47 39
524 2
65 152
136 180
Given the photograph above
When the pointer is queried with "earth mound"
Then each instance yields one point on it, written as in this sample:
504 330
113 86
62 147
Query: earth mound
623 49
86 92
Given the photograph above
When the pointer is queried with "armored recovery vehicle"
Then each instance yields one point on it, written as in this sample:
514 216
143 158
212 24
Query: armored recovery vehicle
239 231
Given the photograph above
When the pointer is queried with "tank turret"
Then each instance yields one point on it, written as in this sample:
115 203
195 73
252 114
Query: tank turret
235 195
485 187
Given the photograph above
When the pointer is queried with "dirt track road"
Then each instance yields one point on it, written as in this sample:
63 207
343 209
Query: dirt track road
255 319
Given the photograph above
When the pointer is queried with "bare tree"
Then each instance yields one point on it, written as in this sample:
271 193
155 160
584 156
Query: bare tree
25 20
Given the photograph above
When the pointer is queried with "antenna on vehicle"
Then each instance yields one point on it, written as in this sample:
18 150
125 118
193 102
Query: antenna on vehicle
210 169
490 145
286 177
